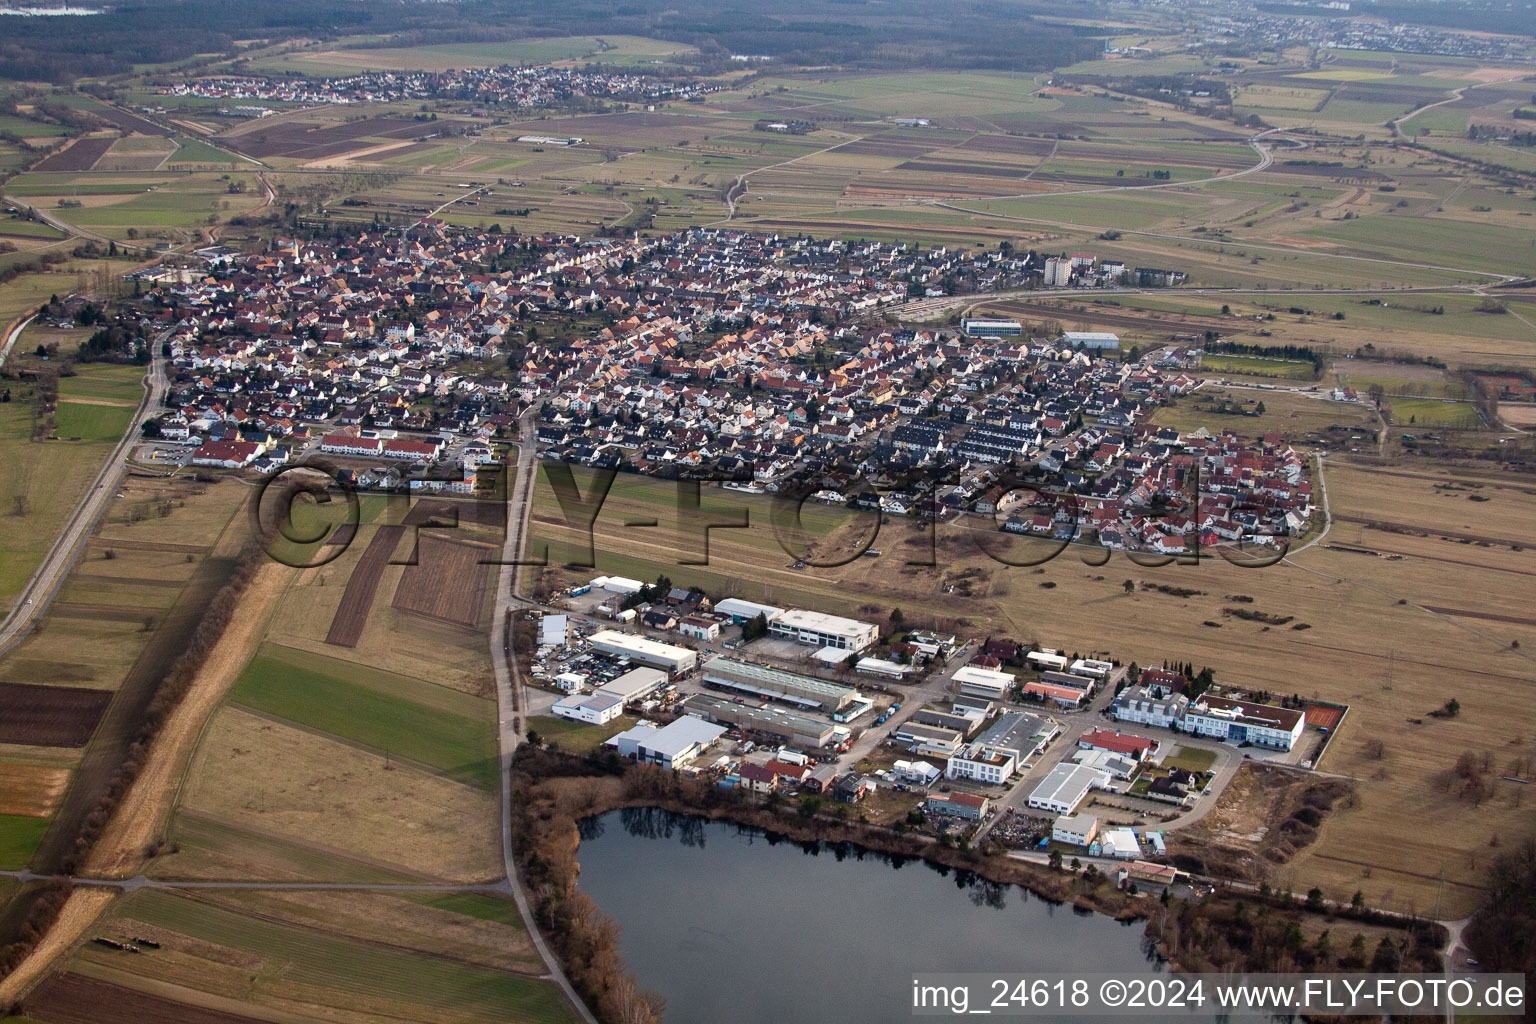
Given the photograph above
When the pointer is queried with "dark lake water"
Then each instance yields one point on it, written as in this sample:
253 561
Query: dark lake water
735 927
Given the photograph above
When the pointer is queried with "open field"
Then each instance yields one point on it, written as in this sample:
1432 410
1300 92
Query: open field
50 716
575 736
1256 366
448 581
607 49
352 614
1297 417
262 775
31 790
347 958
76 999
407 718
1434 412
19 836
45 479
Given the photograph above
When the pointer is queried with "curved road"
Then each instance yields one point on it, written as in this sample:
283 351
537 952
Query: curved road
39 591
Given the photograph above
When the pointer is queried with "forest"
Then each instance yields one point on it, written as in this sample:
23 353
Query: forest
856 33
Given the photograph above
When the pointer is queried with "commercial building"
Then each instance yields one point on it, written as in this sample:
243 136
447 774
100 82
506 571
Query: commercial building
596 708
1047 659
978 328
1134 747
795 730
822 630
1144 707
742 611
1092 668
1118 765
1091 339
882 667
1066 786
776 684
958 805
962 724
671 746
1075 829
1069 679
984 682
636 684
571 682
673 659
1017 733
1119 843
981 764
554 630
917 773
699 627
1237 721
928 739
617 585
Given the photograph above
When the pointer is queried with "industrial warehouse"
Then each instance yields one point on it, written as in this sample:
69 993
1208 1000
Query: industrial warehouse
776 684
796 730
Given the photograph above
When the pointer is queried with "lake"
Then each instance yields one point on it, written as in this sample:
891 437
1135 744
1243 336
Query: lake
736 927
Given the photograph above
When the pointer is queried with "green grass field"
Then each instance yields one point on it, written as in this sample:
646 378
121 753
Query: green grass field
19 836
195 151
578 737
408 718
291 955
480 906
48 478
79 421
1256 366
16 227
1193 759
1430 412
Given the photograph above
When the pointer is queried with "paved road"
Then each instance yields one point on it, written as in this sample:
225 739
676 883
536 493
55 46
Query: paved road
10 339
1073 725
66 227
511 696
34 598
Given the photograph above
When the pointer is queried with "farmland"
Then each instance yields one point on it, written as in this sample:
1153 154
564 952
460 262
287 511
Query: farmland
263 776
352 615
46 478
356 956
48 716
447 582
407 718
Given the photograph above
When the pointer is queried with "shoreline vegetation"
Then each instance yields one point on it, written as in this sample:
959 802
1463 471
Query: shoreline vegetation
1262 931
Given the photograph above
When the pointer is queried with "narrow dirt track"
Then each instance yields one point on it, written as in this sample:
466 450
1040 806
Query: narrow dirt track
82 908
139 819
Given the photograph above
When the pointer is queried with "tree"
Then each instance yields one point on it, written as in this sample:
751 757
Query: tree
1055 860
896 616
1259 409
1385 959
1315 899
1357 902
1130 586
